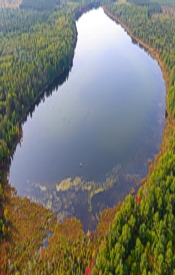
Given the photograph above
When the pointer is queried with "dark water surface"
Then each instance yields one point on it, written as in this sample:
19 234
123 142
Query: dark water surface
98 128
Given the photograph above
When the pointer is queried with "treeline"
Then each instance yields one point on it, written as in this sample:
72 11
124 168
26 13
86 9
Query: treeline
157 33
159 3
141 239
29 61
152 7
18 21
35 48
39 5
37 45
140 2
170 3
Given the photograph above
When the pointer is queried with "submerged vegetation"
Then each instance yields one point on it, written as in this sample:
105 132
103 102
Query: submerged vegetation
37 45
81 198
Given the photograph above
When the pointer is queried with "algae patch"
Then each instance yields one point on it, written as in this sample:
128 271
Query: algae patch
81 198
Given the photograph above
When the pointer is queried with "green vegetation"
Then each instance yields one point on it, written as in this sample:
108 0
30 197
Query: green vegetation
36 46
69 249
38 5
141 238
16 22
31 57
157 34
152 7
170 3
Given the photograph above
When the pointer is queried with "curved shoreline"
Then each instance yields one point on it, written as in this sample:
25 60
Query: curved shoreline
152 52
39 219
78 13
165 74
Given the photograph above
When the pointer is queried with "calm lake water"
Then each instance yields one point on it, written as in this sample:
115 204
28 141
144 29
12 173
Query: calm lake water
88 143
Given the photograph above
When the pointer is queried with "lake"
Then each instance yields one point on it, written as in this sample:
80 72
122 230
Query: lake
88 142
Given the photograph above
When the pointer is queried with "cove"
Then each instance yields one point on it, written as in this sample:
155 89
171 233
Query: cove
88 144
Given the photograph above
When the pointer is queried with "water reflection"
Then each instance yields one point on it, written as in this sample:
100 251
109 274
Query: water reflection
108 117
48 92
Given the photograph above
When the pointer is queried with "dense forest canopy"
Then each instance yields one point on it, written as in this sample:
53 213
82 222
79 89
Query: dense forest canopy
159 2
39 5
141 238
37 43
151 7
165 2
35 48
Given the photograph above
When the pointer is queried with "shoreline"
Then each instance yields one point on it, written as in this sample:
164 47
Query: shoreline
165 74
57 77
150 50
78 13
29 224
153 54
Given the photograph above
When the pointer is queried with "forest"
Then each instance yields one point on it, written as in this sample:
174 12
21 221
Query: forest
37 43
